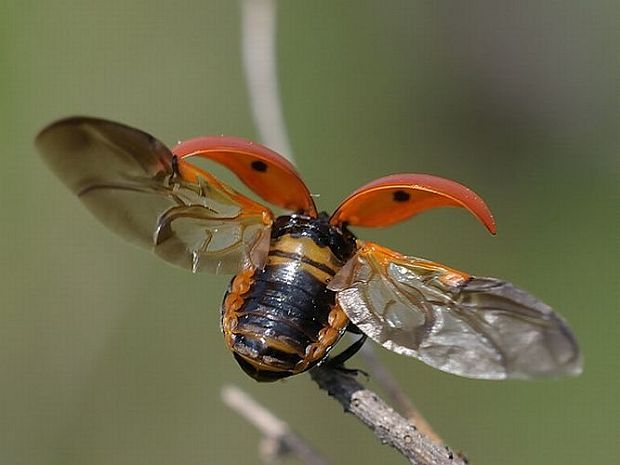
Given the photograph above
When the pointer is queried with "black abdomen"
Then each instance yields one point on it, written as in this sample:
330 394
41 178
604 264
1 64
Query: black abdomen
287 319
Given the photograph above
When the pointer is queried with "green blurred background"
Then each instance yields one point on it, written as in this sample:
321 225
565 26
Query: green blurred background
110 356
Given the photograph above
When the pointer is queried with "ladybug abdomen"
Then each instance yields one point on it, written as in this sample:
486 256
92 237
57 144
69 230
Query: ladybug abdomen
282 319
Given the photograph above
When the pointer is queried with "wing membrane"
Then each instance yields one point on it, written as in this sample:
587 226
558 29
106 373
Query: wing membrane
469 326
131 183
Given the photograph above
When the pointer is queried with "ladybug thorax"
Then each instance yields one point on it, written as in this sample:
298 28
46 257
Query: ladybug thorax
282 319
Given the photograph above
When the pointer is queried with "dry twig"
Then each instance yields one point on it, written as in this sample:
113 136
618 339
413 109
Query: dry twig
258 35
390 427
278 438
399 399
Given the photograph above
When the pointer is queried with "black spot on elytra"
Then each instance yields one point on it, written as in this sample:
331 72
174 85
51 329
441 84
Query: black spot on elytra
401 196
259 166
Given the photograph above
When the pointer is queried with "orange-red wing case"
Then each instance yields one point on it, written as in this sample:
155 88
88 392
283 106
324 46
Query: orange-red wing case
268 174
391 199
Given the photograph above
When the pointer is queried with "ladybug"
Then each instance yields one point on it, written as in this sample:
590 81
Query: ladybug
301 280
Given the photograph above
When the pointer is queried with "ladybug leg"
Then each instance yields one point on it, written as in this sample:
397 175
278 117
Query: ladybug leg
175 166
337 362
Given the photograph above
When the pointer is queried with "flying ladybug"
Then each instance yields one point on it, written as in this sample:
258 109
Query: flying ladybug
303 279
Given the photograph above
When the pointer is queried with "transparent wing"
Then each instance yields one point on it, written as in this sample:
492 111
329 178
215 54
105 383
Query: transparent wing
468 326
130 181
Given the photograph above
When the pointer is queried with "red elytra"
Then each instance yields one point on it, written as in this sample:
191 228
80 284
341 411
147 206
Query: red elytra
373 204
382 202
266 173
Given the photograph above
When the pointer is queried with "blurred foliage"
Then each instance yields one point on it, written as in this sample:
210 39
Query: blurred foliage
110 356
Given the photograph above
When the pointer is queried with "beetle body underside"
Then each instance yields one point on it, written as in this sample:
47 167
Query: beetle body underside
282 320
